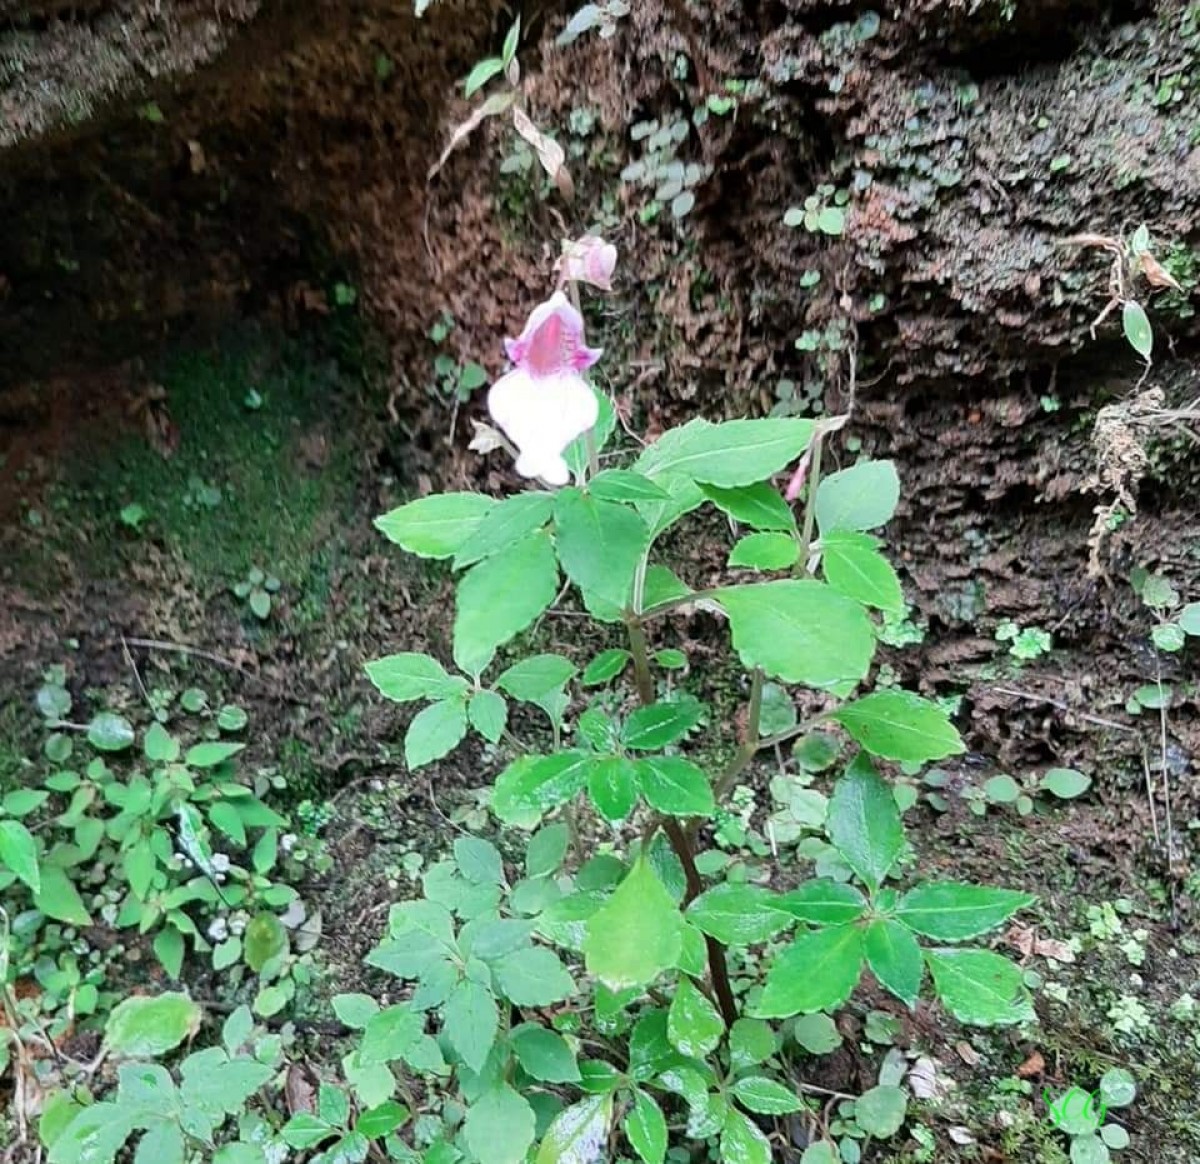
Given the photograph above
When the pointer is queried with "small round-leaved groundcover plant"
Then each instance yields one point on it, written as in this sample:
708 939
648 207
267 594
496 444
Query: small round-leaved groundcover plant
578 1007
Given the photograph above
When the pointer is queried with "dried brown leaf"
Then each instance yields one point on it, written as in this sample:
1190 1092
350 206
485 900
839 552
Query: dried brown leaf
492 107
549 152
1156 274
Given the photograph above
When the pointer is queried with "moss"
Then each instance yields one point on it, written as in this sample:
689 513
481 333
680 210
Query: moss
255 480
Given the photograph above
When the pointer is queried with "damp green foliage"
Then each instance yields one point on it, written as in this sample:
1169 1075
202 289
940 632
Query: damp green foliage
604 975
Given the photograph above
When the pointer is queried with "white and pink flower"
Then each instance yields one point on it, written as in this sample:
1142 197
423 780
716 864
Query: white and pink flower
544 403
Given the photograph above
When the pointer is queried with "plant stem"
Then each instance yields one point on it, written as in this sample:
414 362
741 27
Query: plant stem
750 743
718 972
641 658
593 453
810 501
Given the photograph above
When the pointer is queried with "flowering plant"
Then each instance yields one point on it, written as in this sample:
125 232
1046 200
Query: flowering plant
631 980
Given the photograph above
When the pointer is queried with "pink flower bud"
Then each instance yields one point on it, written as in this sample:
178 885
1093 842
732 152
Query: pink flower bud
589 260
797 481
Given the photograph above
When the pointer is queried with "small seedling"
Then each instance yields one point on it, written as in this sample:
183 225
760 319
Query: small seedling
256 590
822 213
1025 643
132 516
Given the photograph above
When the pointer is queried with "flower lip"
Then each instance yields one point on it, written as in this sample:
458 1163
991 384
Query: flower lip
543 403
552 341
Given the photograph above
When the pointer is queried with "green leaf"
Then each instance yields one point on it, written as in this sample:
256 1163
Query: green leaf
435 527
751 1041
613 787
237 1029
217 1085
764 1096
600 544
265 939
435 732
637 934
733 454
758 505
224 815
410 676
622 485
168 949
864 823
646 1128
544 1055
511 40
1114 1136
305 1130
1065 783
504 524
162 1144
267 851
952 911
110 732
142 1027
209 755
540 680
260 603
499 1127
500 597
862 497
854 567
390 1034
231 718
659 724
1189 619
739 914
579 1133
979 987
18 852
479 861
470 1021
765 551
148 1086
1136 325
880 1112
1089 1149
675 786
533 785
481 74
662 586
817 1033
1118 1088
546 850
894 957
488 713
742 1142
54 702
94 1136
694 1026
534 976
605 666
381 1120
159 745
800 632
817 971
898 725
355 1010
59 899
